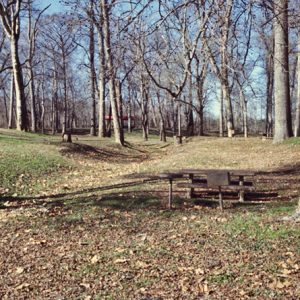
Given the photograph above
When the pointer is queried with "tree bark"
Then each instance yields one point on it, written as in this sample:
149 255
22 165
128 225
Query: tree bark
297 119
10 17
31 72
270 85
11 103
224 69
120 108
144 107
111 73
102 127
64 72
245 112
200 78
190 121
129 111
92 71
54 101
21 111
221 116
162 127
283 126
5 105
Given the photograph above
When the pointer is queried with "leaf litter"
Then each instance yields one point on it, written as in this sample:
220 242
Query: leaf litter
88 251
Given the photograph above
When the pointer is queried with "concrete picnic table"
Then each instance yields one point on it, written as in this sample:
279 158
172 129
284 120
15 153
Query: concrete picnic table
220 179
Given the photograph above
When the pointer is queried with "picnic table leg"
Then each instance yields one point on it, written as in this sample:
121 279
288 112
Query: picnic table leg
221 199
170 193
241 192
190 191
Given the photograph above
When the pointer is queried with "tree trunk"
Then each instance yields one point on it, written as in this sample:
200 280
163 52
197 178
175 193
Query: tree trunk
120 108
64 70
201 105
11 103
228 106
270 85
224 69
42 117
54 101
179 118
32 98
297 119
144 108
111 73
245 113
283 128
221 116
21 111
162 128
129 112
92 72
31 73
174 117
102 127
5 105
190 123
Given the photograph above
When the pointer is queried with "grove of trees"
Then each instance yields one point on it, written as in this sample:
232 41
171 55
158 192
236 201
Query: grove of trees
182 66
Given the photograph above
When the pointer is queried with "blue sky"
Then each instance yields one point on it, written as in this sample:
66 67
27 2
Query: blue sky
54 8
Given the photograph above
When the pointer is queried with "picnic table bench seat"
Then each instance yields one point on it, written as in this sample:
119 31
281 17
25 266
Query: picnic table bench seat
210 180
232 187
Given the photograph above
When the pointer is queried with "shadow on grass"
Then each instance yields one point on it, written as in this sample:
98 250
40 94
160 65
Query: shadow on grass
290 169
120 201
128 200
271 182
99 153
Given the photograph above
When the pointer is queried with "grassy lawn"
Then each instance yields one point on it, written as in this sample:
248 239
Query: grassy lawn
62 236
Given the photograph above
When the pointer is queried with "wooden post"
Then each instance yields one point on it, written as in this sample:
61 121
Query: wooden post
190 191
221 198
241 192
177 139
170 193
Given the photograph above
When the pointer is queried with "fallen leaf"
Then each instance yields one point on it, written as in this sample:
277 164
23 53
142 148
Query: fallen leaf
141 264
95 259
120 260
85 285
19 270
22 286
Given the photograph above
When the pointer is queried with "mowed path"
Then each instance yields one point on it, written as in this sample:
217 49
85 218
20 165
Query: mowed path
278 165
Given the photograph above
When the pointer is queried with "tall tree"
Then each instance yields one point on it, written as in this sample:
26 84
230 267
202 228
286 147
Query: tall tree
221 69
283 119
31 38
10 17
92 69
297 119
111 72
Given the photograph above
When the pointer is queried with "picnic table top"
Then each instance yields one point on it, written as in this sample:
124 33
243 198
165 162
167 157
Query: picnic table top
180 173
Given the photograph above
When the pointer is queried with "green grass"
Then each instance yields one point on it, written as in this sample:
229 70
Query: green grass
26 158
254 234
292 141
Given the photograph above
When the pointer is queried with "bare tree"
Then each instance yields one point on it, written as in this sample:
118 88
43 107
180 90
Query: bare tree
283 123
297 119
59 40
111 72
31 36
92 68
10 17
221 71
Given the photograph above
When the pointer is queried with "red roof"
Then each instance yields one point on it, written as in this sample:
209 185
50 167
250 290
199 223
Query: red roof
125 118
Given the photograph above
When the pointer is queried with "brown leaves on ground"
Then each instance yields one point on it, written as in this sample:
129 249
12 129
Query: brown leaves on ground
64 250
100 253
